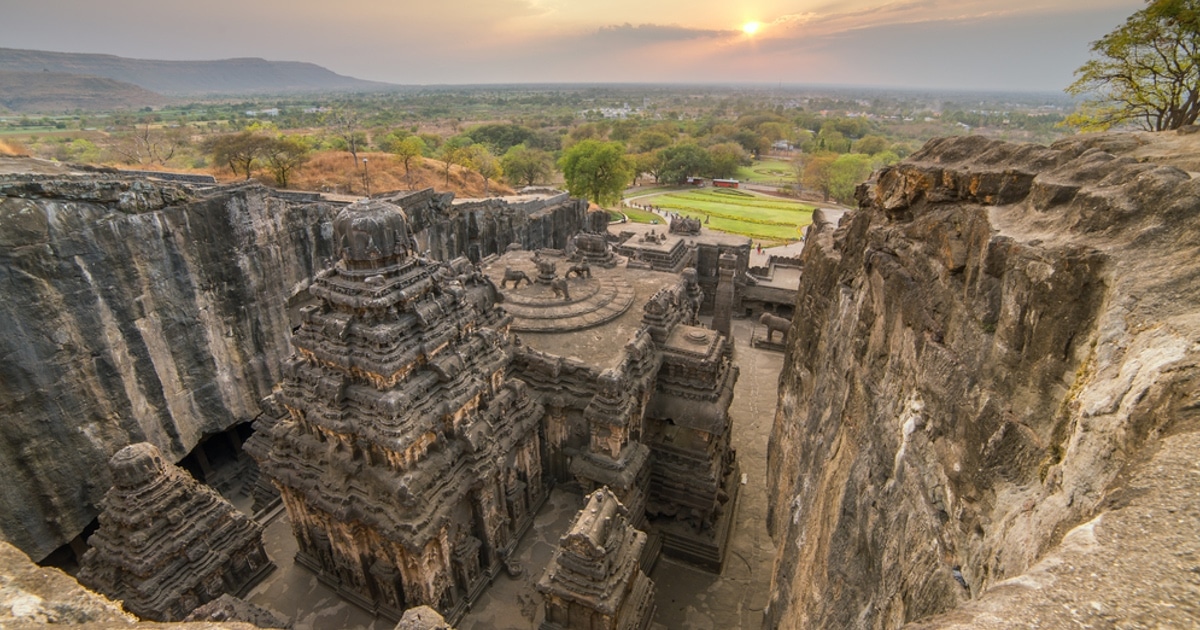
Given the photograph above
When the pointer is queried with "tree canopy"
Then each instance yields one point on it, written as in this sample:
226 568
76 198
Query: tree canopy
1146 72
525 166
598 171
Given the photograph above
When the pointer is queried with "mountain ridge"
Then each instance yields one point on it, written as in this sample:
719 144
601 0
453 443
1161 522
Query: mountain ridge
234 76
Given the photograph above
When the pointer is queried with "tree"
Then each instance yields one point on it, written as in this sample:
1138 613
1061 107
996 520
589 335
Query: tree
871 145
649 163
651 140
454 152
683 161
525 166
725 158
485 164
845 174
345 124
408 151
814 172
596 170
501 136
283 155
146 145
1146 72
241 151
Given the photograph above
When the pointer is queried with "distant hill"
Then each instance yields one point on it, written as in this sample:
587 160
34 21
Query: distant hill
190 78
51 92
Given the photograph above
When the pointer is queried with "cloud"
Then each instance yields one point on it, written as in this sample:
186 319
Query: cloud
656 33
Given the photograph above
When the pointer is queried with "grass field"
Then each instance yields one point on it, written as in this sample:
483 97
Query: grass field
762 218
768 172
642 216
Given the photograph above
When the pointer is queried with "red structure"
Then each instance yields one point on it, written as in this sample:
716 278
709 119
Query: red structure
725 183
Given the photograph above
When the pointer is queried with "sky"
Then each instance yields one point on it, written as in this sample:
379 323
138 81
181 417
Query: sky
1025 45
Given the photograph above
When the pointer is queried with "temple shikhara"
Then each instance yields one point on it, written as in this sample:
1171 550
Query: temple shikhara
408 460
167 543
430 406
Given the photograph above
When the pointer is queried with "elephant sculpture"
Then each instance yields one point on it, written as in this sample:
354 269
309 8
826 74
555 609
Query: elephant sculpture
775 323
515 276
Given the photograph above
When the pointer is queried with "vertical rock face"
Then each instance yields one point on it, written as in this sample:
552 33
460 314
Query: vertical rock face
134 312
167 543
479 228
977 353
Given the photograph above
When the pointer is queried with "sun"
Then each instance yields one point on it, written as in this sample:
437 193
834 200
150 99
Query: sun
751 28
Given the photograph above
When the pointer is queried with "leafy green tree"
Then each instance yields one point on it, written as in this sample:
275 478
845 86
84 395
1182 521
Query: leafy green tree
871 145
752 141
725 158
525 166
596 170
284 155
651 141
500 136
648 163
623 130
1146 72
683 161
485 164
408 152
845 174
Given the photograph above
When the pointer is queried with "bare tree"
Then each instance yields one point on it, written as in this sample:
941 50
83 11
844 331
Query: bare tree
148 145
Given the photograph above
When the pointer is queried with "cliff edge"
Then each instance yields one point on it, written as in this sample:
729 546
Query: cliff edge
990 394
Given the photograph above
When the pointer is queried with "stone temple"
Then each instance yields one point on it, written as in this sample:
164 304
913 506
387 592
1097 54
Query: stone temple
409 460
595 579
168 543
427 412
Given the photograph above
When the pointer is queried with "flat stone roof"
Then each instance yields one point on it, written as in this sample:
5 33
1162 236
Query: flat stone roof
587 327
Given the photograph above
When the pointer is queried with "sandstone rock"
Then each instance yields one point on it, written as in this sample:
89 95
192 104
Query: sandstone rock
979 352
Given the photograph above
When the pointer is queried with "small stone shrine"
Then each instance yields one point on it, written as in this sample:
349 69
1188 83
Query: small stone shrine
168 544
595 581
408 461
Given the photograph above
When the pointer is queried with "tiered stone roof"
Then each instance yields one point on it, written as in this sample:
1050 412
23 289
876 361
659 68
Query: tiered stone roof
168 543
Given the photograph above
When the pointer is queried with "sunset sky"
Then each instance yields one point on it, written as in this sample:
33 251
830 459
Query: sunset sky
971 44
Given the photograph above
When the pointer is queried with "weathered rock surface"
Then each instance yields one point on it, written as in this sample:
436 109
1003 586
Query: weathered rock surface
135 312
36 597
999 346
140 310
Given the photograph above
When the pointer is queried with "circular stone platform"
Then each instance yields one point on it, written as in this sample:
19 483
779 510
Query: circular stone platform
594 301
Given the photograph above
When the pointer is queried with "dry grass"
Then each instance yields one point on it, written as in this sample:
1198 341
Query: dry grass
337 172
12 149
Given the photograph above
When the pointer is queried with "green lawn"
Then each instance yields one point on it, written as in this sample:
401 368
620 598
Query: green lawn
760 217
768 172
642 216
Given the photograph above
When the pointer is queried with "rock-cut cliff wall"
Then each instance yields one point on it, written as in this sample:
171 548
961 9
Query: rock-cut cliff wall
133 311
998 346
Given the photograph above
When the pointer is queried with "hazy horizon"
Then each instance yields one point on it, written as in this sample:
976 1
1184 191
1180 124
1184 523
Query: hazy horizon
970 45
